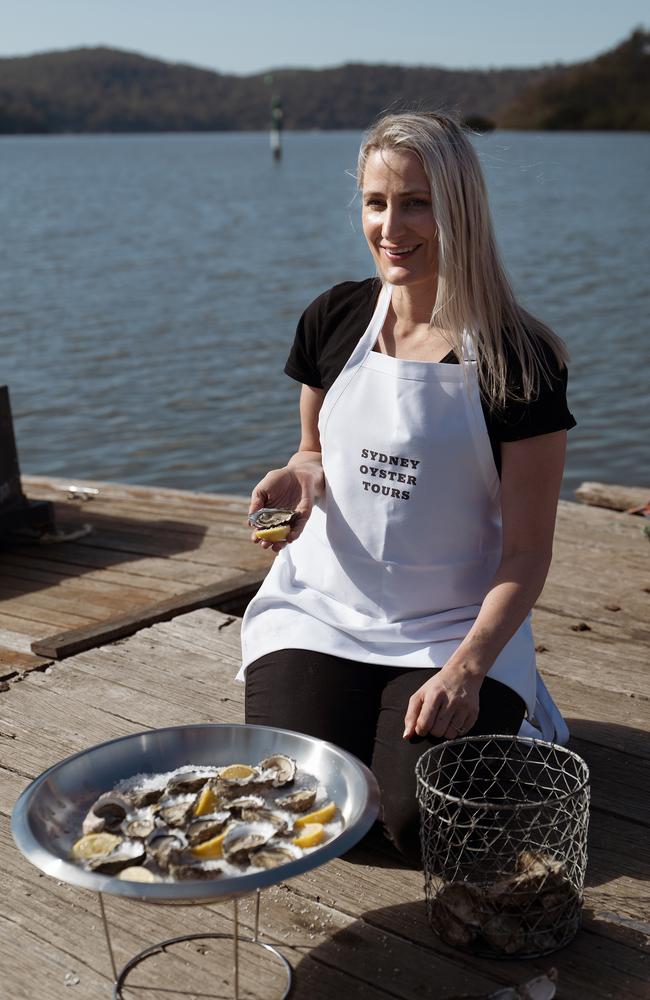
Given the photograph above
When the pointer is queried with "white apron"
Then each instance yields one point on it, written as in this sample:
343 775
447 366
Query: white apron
398 554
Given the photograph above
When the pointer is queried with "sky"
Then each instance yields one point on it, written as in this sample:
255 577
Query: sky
247 36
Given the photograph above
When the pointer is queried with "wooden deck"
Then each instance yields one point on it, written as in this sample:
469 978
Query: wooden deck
143 554
355 927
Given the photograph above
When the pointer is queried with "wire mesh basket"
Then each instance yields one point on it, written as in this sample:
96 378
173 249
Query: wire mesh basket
503 830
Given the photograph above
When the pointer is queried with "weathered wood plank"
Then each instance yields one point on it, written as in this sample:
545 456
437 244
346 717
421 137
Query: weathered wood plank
72 555
27 610
37 567
53 488
593 658
147 545
11 661
211 551
23 626
15 641
70 642
25 579
74 600
187 519
611 496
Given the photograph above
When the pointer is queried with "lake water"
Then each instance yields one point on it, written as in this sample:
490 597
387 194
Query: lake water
150 286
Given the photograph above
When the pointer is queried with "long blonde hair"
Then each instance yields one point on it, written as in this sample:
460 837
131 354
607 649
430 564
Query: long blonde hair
474 293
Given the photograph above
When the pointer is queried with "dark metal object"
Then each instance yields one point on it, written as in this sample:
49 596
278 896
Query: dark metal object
17 513
504 843
120 975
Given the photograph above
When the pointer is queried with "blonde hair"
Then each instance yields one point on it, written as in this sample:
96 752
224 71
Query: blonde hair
473 289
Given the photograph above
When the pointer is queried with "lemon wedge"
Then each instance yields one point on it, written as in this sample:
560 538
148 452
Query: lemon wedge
311 835
137 874
207 802
210 849
274 534
94 845
237 771
322 815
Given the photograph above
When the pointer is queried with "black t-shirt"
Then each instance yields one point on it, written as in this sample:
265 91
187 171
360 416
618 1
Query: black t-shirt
330 328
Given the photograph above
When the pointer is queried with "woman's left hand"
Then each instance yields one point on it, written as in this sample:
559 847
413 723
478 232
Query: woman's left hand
447 705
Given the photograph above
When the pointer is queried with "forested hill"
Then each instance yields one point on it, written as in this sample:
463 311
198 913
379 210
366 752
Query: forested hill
610 92
106 90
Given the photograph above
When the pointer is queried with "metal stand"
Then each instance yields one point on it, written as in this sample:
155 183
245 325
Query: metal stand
119 976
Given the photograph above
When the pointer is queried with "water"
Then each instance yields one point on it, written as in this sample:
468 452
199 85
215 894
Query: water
150 287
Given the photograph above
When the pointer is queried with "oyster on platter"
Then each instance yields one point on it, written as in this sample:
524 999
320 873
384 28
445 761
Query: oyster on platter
205 822
278 769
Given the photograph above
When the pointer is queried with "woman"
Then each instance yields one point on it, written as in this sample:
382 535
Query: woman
434 418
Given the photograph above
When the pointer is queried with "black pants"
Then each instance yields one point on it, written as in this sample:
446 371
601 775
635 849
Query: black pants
361 708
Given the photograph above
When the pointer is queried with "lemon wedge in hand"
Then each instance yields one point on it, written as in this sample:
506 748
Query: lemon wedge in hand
273 534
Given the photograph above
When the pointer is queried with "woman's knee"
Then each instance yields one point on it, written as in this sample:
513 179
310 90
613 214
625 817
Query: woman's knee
401 827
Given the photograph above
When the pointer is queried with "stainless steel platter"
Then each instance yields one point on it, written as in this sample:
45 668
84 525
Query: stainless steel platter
48 815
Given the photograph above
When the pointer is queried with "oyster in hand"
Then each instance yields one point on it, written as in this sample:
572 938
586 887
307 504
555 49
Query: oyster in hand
272 524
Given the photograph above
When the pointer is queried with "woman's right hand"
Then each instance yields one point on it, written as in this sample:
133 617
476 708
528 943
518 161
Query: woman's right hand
294 487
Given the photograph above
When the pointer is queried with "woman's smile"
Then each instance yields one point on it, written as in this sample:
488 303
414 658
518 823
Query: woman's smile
399 253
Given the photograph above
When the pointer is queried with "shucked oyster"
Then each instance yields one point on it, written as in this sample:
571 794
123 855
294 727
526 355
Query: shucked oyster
281 824
236 776
145 795
165 846
139 826
189 872
126 853
244 838
175 813
246 802
107 813
299 801
278 769
187 781
204 828
272 523
271 857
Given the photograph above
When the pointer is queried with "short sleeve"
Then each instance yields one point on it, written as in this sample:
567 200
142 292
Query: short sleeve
303 361
546 413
